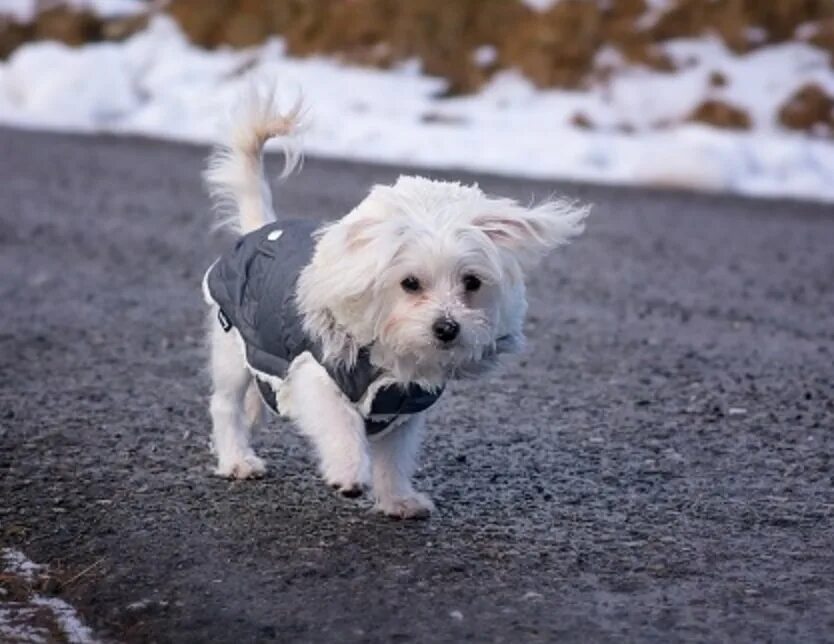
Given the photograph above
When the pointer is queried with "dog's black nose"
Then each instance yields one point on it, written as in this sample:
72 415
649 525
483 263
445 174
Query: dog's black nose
445 329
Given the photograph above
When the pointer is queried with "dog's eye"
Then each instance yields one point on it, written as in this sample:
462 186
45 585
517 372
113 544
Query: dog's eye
410 284
471 282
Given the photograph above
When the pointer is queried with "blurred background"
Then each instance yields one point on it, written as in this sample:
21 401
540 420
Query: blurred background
720 95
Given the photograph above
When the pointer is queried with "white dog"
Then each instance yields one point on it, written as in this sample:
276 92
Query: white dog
353 328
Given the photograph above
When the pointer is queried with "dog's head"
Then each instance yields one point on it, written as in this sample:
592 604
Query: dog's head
430 275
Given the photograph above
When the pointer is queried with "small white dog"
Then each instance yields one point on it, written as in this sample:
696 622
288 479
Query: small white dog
353 328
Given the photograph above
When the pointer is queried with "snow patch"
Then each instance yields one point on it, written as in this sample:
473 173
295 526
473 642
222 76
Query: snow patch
485 55
67 618
15 563
14 626
539 5
28 620
157 83
25 10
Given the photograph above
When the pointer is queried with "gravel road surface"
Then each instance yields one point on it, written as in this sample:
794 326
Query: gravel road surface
656 468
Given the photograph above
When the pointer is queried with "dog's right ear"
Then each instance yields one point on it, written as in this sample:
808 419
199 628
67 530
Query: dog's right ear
531 230
337 290
351 257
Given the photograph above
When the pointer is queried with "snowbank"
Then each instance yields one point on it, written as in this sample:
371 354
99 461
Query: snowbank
26 616
156 83
25 10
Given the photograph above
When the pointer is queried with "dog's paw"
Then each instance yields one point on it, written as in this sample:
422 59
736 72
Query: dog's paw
353 491
414 506
348 486
246 466
348 479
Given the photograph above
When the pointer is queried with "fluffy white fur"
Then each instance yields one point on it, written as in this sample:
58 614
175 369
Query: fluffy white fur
351 295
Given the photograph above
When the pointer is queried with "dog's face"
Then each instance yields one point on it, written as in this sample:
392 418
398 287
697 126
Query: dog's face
443 302
429 274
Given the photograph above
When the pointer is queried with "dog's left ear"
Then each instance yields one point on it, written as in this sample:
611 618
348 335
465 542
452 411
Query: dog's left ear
522 230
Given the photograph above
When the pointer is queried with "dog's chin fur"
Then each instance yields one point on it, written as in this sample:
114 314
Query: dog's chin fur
440 235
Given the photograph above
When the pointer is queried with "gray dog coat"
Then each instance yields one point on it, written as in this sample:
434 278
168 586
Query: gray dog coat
254 287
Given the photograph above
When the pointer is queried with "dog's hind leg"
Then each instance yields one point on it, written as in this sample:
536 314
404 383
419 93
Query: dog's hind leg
231 414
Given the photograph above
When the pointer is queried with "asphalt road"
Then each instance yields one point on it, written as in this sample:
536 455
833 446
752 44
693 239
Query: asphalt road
657 467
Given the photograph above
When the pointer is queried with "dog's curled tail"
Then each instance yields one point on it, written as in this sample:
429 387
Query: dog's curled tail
235 172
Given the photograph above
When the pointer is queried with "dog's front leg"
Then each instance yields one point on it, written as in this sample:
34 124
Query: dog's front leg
315 403
394 459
